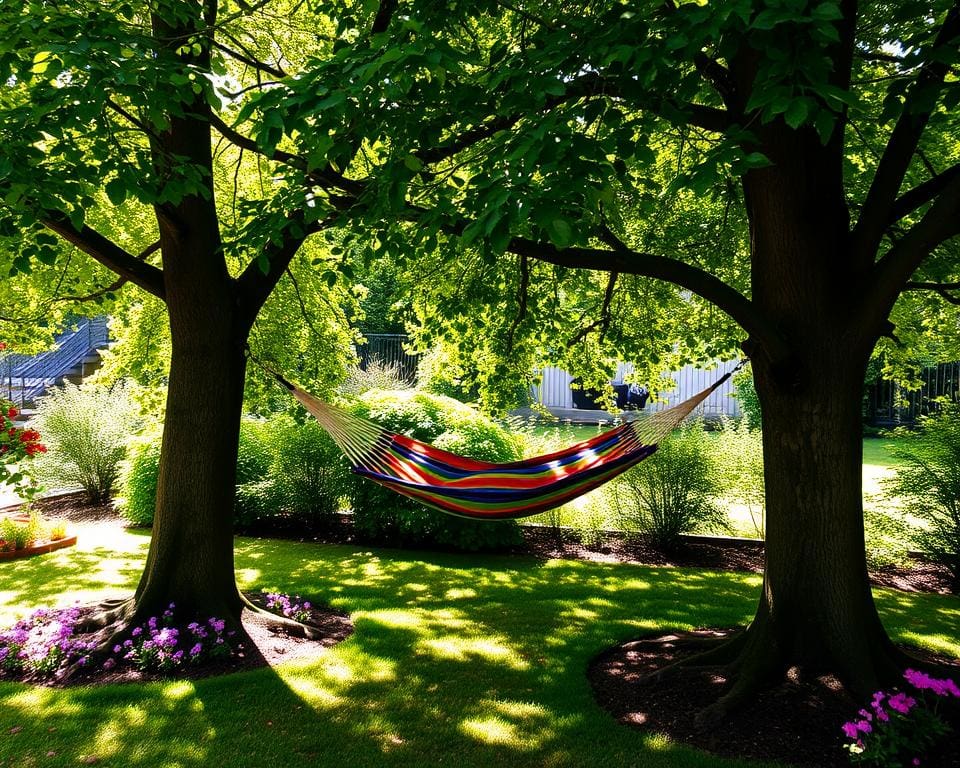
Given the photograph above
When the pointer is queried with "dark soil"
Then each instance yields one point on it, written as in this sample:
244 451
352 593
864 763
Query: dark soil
797 722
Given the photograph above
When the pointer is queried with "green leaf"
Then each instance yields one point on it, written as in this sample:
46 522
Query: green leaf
796 113
559 232
116 191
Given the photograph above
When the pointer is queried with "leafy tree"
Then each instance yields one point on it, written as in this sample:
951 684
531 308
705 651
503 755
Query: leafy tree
793 164
783 169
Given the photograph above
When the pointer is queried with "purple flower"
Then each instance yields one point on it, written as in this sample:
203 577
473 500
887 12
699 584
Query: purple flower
137 631
109 663
117 649
196 650
850 730
901 703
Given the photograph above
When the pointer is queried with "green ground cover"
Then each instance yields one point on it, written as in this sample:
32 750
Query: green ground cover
457 659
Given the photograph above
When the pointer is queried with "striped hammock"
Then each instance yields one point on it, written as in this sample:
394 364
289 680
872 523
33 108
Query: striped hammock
481 490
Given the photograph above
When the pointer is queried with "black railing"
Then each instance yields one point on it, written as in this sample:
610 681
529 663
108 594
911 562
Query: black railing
888 404
25 378
388 349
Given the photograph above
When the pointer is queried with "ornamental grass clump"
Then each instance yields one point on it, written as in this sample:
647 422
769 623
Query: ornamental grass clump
159 645
42 644
899 728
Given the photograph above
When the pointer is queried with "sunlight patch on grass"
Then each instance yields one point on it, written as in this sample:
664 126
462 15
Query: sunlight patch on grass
464 648
310 691
460 594
493 730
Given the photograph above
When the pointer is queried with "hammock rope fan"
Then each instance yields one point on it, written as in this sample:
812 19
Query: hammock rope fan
481 490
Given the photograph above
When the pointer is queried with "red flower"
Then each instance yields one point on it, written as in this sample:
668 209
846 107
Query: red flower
12 413
3 345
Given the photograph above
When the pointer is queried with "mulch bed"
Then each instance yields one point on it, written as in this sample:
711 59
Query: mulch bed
797 722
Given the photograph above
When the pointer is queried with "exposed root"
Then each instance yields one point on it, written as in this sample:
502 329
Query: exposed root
719 652
282 623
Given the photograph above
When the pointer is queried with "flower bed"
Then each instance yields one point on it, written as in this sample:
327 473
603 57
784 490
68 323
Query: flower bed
27 535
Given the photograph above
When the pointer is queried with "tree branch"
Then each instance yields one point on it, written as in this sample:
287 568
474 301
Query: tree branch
384 14
625 261
892 273
900 149
325 177
260 66
921 194
943 289
108 253
254 285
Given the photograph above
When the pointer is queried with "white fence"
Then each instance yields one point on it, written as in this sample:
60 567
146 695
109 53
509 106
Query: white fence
554 390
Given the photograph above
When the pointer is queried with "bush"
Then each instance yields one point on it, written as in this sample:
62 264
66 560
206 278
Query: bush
304 481
927 483
86 430
739 459
378 374
384 515
671 492
746 394
138 480
139 477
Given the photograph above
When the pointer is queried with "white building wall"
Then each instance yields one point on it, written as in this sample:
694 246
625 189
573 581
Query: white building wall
554 390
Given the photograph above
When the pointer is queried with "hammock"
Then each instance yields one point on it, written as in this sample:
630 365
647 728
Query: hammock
481 490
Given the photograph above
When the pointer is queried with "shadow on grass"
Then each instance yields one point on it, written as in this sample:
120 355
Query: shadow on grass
467 660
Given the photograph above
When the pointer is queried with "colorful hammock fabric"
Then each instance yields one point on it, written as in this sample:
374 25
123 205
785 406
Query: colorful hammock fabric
482 490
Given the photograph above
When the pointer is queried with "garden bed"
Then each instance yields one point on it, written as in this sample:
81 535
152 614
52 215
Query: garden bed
38 549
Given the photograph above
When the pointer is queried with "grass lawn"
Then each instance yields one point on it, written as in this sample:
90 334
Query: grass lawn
457 660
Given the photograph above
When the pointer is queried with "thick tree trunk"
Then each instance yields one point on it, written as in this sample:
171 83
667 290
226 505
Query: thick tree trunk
816 610
191 554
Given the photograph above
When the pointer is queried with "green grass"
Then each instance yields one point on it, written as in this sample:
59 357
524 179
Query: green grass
457 660
877 451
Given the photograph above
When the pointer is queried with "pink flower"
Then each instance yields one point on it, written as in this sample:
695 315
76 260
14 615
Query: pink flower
850 730
901 703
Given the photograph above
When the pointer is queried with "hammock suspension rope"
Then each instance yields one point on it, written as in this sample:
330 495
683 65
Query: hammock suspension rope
484 490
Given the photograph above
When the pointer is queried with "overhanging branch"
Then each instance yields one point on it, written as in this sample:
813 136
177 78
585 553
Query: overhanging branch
108 253
629 262
904 139
921 194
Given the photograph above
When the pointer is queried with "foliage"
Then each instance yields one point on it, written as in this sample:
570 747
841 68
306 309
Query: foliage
746 394
86 428
927 482
898 728
18 446
378 374
739 468
138 481
159 645
672 492
43 643
19 534
303 480
448 424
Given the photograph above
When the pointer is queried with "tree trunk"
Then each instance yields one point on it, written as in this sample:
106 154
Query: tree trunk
191 553
816 611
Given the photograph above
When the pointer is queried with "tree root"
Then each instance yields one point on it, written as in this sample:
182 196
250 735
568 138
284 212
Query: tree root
722 653
283 623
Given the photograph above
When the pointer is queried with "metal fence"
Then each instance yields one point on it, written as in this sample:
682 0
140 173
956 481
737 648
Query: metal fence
887 404
388 349
23 378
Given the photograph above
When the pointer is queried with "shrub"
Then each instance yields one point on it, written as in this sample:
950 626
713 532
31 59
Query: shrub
739 459
927 482
671 492
86 429
138 480
304 481
746 394
139 476
444 422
